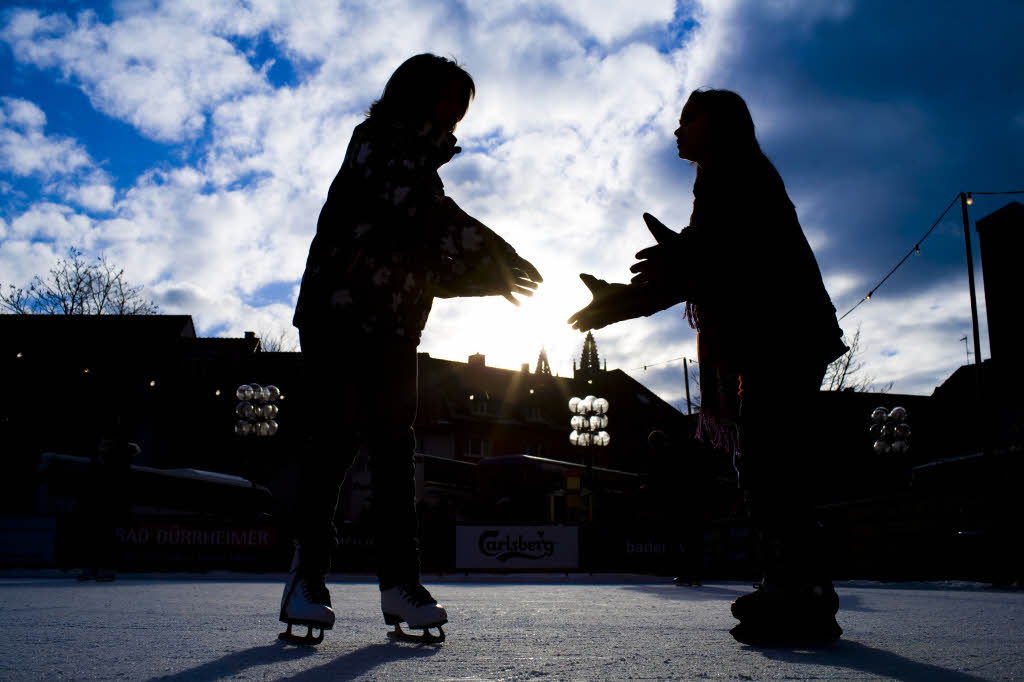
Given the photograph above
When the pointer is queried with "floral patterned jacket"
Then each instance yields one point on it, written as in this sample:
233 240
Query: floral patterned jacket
388 239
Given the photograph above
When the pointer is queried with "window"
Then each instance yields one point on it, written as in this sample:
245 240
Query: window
477 447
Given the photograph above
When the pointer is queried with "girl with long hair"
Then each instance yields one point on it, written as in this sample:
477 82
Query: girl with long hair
766 330
388 241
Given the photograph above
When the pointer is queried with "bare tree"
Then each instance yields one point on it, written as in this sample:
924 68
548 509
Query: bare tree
846 373
75 286
279 340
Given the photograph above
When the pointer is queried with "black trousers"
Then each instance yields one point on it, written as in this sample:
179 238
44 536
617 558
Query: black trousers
358 390
781 472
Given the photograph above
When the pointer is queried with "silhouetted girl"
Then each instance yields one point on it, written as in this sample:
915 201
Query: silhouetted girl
766 332
388 241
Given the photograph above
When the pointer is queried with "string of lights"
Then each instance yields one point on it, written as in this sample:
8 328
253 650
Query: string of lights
917 245
663 362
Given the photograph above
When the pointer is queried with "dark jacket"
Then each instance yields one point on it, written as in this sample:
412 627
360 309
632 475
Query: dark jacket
750 275
388 239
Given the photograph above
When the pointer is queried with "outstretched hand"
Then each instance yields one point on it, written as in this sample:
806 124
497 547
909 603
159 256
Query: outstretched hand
655 261
519 276
612 303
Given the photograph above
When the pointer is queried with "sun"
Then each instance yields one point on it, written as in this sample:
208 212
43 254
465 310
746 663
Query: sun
510 336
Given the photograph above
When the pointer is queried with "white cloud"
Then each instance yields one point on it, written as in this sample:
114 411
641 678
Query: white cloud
22 259
93 197
26 150
54 222
160 72
605 20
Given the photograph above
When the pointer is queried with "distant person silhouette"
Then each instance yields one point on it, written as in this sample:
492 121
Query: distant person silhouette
106 506
766 331
387 242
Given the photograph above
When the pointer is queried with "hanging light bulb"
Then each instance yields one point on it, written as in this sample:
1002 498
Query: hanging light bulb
970 199
917 249
868 297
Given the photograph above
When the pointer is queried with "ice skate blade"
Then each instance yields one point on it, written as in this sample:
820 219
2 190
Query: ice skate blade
400 635
779 636
309 640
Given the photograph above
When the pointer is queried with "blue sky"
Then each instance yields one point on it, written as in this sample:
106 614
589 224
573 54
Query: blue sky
193 142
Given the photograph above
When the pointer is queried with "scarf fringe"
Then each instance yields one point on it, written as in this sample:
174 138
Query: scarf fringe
721 434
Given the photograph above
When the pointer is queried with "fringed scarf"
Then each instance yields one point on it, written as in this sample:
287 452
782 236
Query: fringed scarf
721 388
721 385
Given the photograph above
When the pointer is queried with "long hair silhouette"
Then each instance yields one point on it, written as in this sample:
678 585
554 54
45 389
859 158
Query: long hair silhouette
417 85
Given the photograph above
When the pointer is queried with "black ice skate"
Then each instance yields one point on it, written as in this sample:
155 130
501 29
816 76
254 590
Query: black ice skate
798 615
305 601
413 605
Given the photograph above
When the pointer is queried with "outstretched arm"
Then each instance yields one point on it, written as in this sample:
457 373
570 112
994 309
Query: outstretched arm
478 262
615 302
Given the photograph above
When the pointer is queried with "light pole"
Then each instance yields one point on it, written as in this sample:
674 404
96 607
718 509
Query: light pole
966 199
589 421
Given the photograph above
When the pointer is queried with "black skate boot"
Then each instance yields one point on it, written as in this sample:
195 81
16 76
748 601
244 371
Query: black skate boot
412 604
305 601
787 615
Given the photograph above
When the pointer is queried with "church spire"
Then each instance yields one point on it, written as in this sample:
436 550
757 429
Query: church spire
542 363
590 364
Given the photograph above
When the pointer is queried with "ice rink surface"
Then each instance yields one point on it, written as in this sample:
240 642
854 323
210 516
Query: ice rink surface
576 627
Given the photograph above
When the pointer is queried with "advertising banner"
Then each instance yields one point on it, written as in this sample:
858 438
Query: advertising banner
517 547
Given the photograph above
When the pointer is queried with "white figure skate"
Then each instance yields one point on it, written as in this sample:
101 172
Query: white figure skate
305 601
413 605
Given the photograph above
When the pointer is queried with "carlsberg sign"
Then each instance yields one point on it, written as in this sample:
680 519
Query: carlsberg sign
517 547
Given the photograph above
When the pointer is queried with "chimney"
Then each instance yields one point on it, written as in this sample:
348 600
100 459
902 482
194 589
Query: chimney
477 360
1001 241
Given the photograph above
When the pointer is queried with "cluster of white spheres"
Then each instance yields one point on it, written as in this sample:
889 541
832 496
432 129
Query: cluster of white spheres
256 410
585 438
890 430
588 404
257 393
589 421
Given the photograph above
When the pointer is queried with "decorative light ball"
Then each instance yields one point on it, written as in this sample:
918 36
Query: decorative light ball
875 431
576 422
879 414
900 447
257 392
262 428
603 439
242 428
889 433
584 439
898 414
245 410
273 392
270 411
595 423
601 405
246 428
902 431
574 438
881 447
272 426
244 392
586 405
574 403
604 421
